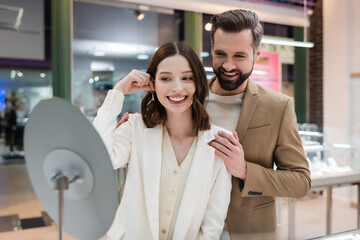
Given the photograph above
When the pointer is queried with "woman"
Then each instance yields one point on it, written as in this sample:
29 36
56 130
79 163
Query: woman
176 188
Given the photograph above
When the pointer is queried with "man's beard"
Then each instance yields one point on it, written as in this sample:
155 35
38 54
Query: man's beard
231 85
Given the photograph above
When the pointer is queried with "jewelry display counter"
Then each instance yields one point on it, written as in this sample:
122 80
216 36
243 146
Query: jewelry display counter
348 235
330 167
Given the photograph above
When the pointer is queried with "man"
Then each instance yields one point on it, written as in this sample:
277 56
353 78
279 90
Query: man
265 128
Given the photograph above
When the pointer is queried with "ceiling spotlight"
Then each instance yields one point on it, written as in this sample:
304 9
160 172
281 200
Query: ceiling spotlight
99 53
208 27
12 74
142 56
139 15
204 54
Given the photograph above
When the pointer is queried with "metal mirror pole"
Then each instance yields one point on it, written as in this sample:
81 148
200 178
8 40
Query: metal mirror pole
61 183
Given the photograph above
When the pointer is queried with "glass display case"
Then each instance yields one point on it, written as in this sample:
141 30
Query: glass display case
330 166
354 119
324 159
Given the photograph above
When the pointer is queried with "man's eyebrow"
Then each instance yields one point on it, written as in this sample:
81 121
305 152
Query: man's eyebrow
236 53
241 53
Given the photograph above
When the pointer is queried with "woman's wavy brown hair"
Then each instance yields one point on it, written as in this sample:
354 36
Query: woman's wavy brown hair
153 113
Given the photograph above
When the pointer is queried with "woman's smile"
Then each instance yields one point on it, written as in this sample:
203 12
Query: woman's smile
177 99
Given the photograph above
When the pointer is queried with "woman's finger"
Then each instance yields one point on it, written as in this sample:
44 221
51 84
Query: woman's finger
146 88
141 78
134 81
146 77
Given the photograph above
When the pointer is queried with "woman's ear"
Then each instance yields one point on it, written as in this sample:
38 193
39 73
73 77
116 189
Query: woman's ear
152 84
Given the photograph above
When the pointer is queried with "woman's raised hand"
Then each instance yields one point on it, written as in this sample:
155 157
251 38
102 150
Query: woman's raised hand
134 81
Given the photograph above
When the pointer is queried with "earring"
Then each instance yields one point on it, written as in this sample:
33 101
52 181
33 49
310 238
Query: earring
152 96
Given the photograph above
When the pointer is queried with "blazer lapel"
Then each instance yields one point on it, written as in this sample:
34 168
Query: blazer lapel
198 178
152 142
248 107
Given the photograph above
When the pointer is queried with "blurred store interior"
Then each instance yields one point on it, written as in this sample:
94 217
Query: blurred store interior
80 58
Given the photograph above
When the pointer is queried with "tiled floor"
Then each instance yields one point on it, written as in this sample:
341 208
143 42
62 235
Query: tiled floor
18 201
17 198
17 195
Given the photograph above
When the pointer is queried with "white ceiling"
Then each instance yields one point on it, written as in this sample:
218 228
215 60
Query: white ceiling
266 12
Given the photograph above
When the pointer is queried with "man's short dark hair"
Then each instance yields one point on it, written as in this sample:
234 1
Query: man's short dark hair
237 20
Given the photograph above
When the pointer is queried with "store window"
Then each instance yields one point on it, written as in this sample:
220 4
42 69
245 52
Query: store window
25 79
25 69
110 41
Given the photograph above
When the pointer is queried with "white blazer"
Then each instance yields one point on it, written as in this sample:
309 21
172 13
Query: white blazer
206 197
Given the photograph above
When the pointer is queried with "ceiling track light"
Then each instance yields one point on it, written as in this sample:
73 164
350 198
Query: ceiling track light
284 42
287 42
139 15
208 27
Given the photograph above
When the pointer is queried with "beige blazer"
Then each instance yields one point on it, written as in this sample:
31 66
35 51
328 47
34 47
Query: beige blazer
267 130
207 192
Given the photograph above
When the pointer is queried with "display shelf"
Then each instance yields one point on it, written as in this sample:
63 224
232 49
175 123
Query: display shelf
354 118
328 170
327 181
347 235
333 179
322 157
